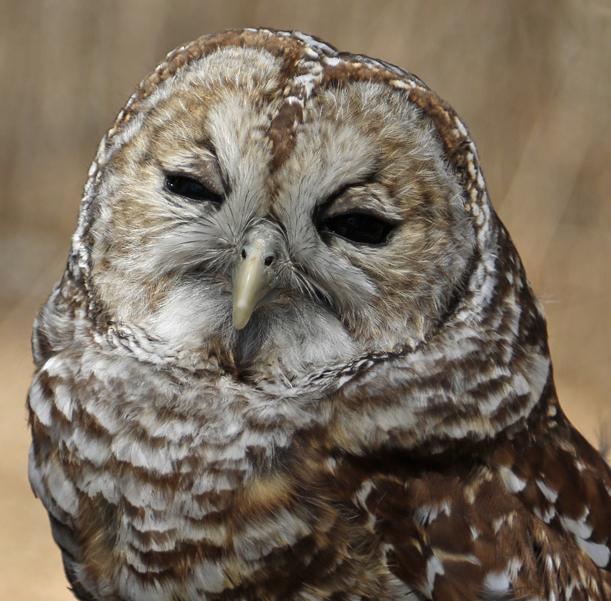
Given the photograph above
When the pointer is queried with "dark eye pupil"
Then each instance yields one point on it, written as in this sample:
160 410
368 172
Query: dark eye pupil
358 227
190 188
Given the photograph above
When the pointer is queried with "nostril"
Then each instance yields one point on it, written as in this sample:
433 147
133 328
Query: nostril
269 259
243 253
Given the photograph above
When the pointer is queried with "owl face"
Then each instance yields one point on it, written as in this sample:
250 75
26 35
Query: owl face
231 217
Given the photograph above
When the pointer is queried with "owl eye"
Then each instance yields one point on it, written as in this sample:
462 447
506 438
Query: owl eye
191 188
359 227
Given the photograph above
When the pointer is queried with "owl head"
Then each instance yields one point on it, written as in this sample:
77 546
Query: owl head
260 201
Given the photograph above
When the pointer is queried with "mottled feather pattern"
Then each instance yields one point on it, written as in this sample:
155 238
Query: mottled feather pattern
379 423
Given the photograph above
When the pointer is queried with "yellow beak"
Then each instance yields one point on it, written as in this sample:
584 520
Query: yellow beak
252 279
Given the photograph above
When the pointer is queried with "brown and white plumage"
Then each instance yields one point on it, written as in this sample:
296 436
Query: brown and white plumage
295 355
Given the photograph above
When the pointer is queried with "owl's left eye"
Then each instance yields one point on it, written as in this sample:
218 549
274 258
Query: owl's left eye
359 227
190 188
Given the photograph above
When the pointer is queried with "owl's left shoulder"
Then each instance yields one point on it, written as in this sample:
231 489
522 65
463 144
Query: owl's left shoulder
529 518
558 476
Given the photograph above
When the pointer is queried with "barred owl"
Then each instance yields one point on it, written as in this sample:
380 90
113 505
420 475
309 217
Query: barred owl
295 356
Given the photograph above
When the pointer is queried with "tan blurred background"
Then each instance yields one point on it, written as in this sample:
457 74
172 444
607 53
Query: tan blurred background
532 80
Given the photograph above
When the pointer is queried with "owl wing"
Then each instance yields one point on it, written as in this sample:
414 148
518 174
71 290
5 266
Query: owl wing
565 484
528 520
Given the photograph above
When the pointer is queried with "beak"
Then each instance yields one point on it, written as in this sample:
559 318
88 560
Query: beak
252 278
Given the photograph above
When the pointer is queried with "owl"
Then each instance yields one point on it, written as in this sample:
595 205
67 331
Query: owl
295 356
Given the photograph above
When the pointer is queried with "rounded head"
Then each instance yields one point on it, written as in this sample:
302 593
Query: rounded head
263 196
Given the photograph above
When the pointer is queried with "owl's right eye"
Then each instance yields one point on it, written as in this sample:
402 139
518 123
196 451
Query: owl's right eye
191 188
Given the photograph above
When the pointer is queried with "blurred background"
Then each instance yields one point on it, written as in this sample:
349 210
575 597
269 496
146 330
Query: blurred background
532 80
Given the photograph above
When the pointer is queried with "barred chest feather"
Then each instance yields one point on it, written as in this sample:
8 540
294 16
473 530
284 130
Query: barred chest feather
189 487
